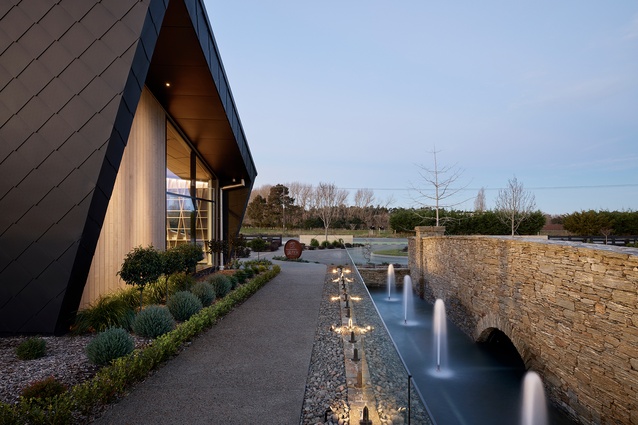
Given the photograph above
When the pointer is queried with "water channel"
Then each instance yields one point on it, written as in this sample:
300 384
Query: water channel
473 387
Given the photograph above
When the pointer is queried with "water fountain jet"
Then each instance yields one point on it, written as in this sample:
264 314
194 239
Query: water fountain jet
390 280
534 406
440 334
407 298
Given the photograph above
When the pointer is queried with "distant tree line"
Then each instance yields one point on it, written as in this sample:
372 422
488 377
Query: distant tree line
606 223
302 206
464 222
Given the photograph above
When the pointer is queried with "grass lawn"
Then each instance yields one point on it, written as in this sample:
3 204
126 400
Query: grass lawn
296 232
396 252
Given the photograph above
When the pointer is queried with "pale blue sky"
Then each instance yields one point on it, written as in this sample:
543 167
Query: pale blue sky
358 92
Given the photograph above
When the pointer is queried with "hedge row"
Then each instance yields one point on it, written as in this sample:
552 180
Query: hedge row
111 381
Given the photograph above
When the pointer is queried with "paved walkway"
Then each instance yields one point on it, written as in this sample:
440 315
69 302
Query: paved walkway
250 368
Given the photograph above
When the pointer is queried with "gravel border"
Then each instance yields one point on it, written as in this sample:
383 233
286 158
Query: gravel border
326 387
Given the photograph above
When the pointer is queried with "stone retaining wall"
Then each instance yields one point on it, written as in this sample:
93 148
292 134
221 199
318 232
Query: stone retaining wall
570 309
379 276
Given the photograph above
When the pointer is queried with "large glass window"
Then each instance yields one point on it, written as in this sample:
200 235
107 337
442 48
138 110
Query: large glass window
189 194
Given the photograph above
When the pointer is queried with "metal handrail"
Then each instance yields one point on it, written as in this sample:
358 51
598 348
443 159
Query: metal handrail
405 366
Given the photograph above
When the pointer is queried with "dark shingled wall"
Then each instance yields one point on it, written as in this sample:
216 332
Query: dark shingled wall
71 75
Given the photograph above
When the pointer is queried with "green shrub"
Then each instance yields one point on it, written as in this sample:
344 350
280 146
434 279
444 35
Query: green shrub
32 348
240 275
234 282
189 255
180 282
249 272
130 296
325 244
183 305
106 312
45 388
155 292
109 345
314 243
205 292
153 321
221 284
141 266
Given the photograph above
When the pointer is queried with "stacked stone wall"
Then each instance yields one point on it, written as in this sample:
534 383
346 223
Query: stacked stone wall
570 309
379 276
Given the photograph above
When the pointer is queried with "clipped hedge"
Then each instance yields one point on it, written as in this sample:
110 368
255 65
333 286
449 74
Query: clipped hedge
112 380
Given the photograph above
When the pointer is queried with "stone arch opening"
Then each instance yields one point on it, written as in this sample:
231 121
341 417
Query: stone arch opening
500 346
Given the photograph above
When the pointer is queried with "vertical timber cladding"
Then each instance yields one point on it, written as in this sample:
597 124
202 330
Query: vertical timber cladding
570 309
136 211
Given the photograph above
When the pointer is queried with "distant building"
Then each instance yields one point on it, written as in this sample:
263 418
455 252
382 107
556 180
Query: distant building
117 129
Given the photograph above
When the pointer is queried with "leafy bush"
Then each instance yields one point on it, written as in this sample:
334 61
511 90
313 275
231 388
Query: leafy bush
130 296
109 345
259 245
221 284
240 275
325 244
31 348
185 257
141 266
45 388
153 321
106 312
249 272
155 292
180 282
314 242
183 305
205 292
234 282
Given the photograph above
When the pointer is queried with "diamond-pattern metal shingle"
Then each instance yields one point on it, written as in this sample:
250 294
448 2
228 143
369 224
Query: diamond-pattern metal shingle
65 70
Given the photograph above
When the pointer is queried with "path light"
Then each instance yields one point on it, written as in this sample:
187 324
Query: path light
351 328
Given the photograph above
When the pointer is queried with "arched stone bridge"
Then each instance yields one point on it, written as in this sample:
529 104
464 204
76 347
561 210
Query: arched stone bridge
570 309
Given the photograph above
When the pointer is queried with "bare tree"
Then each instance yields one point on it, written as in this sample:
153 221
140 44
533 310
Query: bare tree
514 204
363 198
442 180
302 194
363 206
479 202
262 191
327 200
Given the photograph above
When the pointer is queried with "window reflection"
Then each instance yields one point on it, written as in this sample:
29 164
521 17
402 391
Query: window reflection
189 216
